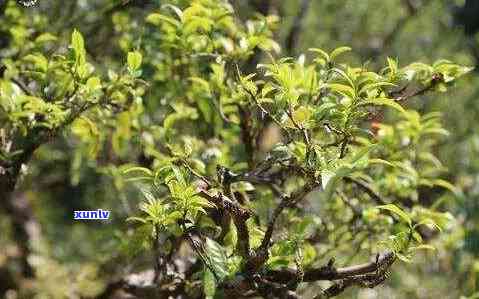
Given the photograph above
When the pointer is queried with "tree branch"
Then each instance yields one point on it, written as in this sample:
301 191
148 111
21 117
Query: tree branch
329 272
261 254
22 86
435 80
366 188
239 215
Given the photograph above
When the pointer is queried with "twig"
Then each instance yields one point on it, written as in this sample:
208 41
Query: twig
368 189
304 132
22 86
156 254
258 104
436 79
261 254
195 173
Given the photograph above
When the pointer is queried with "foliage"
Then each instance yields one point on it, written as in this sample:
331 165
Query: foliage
226 176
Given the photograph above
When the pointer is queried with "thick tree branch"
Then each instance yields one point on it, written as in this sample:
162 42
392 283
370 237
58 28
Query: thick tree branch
239 215
270 289
24 225
329 272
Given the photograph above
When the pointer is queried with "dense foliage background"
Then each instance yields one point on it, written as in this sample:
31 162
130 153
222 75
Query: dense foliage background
146 108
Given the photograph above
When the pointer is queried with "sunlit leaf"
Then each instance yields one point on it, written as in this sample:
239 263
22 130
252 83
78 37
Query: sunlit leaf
397 211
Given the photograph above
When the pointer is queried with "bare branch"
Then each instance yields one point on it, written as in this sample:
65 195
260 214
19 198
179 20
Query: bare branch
329 272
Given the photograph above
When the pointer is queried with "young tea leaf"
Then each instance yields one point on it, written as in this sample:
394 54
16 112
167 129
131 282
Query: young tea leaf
397 211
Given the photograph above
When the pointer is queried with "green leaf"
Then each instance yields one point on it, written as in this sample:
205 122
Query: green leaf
381 161
329 178
432 218
384 102
404 258
422 247
139 169
45 37
392 65
216 257
428 222
209 284
321 52
339 51
326 176
201 82
361 154
93 83
139 219
134 60
175 9
345 90
446 185
300 116
78 45
178 174
157 19
396 210
439 131
345 76
38 60
83 127
376 85
417 236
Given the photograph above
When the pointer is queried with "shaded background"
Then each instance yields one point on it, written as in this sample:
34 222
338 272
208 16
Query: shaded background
83 255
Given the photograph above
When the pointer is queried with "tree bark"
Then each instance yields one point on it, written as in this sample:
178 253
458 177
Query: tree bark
24 226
